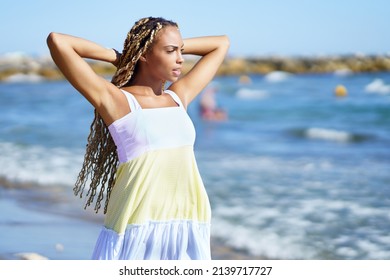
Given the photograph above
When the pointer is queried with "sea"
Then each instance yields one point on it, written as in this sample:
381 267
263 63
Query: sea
294 172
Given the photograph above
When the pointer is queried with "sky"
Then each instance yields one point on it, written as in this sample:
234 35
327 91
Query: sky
255 27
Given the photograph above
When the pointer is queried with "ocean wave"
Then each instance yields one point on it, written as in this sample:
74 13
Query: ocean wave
277 76
377 86
246 93
21 163
260 243
24 78
343 72
329 134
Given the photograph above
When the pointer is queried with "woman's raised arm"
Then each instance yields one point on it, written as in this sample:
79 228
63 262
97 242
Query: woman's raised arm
68 52
212 50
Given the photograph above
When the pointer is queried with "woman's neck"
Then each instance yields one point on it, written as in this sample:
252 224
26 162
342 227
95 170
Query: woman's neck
146 85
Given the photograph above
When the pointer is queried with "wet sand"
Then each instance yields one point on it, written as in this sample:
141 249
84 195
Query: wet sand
49 222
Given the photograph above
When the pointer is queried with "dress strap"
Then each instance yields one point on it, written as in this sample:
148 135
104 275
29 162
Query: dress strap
175 97
133 103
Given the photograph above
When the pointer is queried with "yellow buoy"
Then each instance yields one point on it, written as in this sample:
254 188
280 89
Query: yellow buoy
340 91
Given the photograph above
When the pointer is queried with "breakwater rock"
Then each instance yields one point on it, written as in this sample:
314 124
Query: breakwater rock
21 67
323 64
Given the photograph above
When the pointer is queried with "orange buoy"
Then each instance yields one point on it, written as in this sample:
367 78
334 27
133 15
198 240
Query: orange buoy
340 91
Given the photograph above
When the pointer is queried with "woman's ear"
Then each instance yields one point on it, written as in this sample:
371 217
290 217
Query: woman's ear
142 58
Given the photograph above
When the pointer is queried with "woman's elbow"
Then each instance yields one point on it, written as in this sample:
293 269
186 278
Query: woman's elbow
225 42
226 39
52 40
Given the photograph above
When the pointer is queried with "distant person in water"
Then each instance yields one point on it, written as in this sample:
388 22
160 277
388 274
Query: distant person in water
208 106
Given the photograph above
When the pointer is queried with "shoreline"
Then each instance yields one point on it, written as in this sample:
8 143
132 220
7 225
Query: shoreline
48 222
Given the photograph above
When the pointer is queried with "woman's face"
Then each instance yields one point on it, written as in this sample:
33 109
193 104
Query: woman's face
164 60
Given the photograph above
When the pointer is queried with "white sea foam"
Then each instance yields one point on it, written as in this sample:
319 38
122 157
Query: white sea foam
373 250
377 86
343 72
24 78
260 242
246 93
348 252
277 76
39 164
328 134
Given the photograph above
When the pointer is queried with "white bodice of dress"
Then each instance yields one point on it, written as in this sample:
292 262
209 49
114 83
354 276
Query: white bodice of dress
143 130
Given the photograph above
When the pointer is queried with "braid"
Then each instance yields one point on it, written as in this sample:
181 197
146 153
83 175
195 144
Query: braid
101 158
138 42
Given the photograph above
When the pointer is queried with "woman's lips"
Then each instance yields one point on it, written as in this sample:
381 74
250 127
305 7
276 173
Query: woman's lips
176 72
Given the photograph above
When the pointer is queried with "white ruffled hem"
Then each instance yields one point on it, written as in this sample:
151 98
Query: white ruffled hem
154 240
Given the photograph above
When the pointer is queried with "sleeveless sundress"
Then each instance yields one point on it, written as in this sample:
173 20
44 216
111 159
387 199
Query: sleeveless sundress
158 208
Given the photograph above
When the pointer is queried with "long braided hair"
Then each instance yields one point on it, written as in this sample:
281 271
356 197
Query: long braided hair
101 159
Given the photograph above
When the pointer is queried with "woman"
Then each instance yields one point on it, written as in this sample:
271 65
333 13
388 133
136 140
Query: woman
140 149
